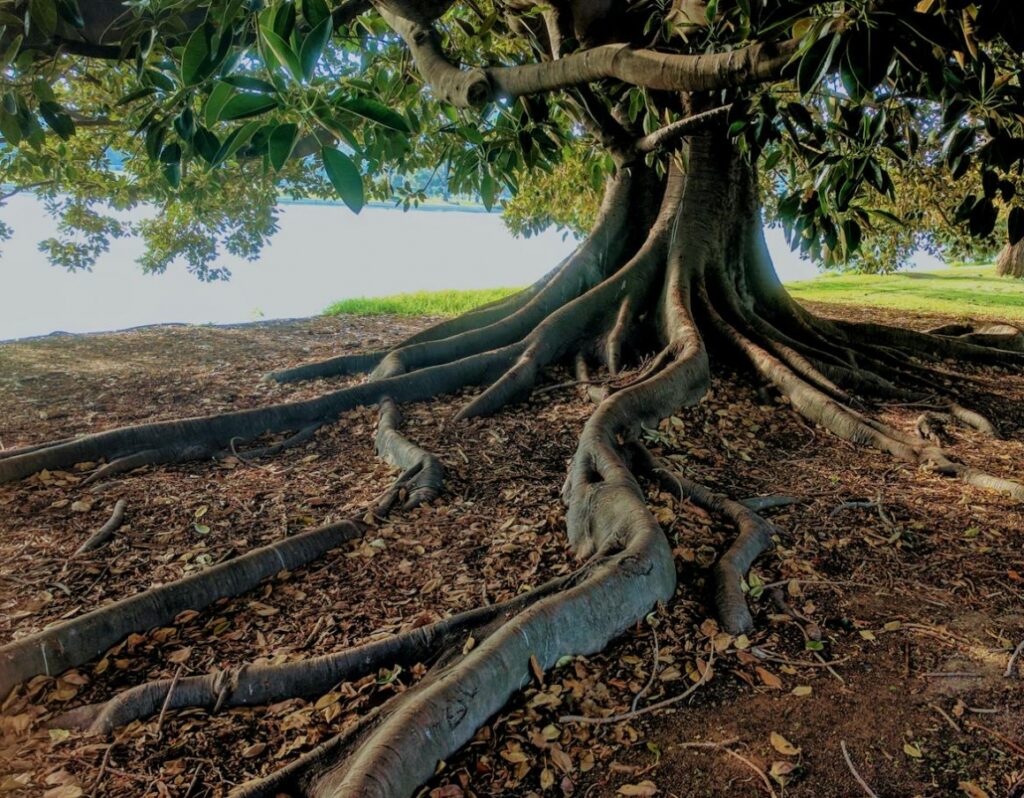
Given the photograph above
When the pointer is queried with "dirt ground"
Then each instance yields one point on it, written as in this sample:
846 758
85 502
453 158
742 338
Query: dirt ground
886 615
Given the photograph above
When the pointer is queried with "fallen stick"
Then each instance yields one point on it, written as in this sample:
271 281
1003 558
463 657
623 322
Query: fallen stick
1013 660
101 535
849 763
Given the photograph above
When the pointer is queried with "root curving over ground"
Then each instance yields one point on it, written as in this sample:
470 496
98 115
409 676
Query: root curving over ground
674 283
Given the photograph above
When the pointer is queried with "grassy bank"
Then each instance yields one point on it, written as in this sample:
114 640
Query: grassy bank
419 303
961 291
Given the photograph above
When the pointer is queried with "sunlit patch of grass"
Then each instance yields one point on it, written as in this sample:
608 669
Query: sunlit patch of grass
961 291
419 303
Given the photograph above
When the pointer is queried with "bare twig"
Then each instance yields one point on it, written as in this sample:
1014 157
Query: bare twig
1016 747
724 746
849 763
1013 660
654 671
770 656
946 716
167 700
651 707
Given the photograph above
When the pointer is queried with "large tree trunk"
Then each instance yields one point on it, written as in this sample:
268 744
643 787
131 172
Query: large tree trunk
1011 260
675 280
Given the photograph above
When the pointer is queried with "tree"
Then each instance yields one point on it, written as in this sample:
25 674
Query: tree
685 112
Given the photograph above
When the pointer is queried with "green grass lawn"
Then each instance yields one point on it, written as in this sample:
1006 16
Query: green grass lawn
419 303
960 291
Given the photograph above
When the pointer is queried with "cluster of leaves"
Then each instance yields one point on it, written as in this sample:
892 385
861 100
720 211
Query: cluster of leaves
902 125
903 131
225 105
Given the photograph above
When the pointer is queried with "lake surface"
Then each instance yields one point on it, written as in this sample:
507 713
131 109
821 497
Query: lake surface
322 253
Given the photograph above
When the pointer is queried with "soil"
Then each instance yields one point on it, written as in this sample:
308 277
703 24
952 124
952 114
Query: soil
898 605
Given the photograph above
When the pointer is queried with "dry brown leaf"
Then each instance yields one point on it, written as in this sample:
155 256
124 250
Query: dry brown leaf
783 746
253 750
538 671
645 787
972 790
64 791
769 679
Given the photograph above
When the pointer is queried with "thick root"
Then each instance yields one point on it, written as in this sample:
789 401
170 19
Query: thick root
422 475
755 537
78 640
255 685
193 438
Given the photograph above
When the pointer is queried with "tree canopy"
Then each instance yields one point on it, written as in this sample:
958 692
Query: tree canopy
879 125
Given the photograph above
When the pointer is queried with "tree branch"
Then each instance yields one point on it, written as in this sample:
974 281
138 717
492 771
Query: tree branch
640 67
463 88
665 137
647 68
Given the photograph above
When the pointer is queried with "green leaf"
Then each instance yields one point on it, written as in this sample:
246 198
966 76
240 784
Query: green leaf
57 119
207 144
43 90
159 79
10 128
231 11
12 52
374 111
185 125
958 142
195 60
488 190
237 139
171 153
815 62
313 47
250 84
345 177
155 135
218 98
71 13
336 128
282 52
851 236
315 11
242 106
43 16
281 143
172 174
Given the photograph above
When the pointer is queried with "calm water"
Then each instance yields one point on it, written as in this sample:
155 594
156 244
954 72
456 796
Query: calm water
322 253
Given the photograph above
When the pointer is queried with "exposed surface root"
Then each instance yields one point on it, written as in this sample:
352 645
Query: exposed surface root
257 684
422 475
299 438
103 534
755 538
195 438
73 642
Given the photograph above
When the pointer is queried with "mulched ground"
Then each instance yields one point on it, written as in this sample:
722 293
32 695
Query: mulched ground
888 623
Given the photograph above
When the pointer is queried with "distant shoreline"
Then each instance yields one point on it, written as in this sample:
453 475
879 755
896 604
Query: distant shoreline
433 207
